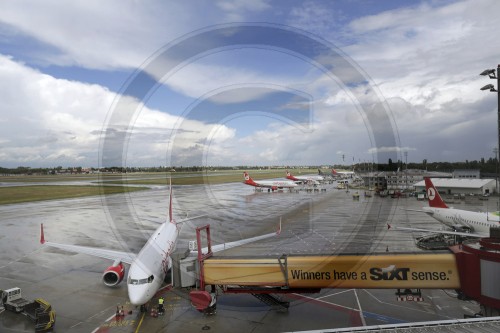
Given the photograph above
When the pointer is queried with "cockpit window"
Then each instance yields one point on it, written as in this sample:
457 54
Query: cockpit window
141 281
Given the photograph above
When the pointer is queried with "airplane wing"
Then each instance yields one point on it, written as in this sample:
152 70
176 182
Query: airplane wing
126 257
177 222
465 234
225 246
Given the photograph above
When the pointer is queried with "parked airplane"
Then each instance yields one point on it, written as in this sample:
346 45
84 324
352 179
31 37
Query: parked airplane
314 179
149 267
462 222
342 173
325 175
271 185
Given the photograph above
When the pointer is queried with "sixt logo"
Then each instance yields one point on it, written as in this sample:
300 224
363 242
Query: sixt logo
378 274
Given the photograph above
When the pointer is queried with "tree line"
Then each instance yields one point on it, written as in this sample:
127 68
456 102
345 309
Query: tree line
488 166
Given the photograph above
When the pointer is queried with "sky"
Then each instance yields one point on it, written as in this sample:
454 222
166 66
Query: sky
246 82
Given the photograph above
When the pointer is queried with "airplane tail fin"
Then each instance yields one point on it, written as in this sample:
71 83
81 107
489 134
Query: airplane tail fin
289 176
334 172
435 199
248 179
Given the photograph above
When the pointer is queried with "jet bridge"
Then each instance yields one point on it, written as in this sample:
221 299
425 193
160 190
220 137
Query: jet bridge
341 271
473 270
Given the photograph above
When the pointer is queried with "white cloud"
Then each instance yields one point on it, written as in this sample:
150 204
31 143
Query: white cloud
236 9
424 59
54 122
96 34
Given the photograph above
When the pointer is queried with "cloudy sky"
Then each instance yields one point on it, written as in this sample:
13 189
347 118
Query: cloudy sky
246 82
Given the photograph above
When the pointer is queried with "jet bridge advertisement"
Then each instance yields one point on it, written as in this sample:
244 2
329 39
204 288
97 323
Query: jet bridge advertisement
344 271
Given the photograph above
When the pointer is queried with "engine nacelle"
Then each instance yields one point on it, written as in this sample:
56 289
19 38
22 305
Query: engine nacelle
113 275
274 188
462 228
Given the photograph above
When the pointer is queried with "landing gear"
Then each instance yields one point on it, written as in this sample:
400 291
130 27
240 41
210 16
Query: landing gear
144 308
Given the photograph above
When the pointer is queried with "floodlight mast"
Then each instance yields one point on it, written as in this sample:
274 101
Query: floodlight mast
490 87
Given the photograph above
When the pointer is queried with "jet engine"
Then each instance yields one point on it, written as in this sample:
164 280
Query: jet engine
113 274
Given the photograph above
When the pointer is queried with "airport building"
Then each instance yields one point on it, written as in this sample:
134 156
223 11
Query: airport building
399 180
467 186
467 173
458 182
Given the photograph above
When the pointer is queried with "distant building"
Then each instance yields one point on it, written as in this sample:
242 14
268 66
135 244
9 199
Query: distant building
398 180
467 174
405 180
374 180
460 186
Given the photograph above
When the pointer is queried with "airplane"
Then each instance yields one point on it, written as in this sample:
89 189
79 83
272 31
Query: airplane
149 267
324 175
342 173
271 185
462 222
314 179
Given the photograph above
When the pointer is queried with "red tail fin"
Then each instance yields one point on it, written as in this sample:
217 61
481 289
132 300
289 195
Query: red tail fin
334 172
289 176
435 199
248 179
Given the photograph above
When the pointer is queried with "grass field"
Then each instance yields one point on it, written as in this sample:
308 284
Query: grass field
17 194
226 176
160 178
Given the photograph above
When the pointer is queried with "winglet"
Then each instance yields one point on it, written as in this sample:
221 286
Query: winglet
42 236
388 226
278 232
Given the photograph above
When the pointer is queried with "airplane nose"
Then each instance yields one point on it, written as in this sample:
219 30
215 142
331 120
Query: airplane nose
137 295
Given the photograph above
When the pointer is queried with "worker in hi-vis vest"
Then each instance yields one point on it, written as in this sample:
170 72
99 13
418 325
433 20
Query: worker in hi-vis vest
160 305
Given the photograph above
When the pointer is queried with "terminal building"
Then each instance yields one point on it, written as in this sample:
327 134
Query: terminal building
457 182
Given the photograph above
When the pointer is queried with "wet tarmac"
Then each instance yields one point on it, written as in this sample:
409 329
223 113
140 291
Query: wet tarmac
313 223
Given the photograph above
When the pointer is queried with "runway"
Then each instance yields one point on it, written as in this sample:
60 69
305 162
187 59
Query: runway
313 223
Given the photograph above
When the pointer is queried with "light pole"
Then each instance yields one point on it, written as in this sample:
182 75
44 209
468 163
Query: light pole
490 87
495 150
406 171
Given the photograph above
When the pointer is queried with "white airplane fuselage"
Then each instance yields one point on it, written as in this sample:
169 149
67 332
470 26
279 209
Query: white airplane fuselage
310 178
275 183
148 270
478 222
